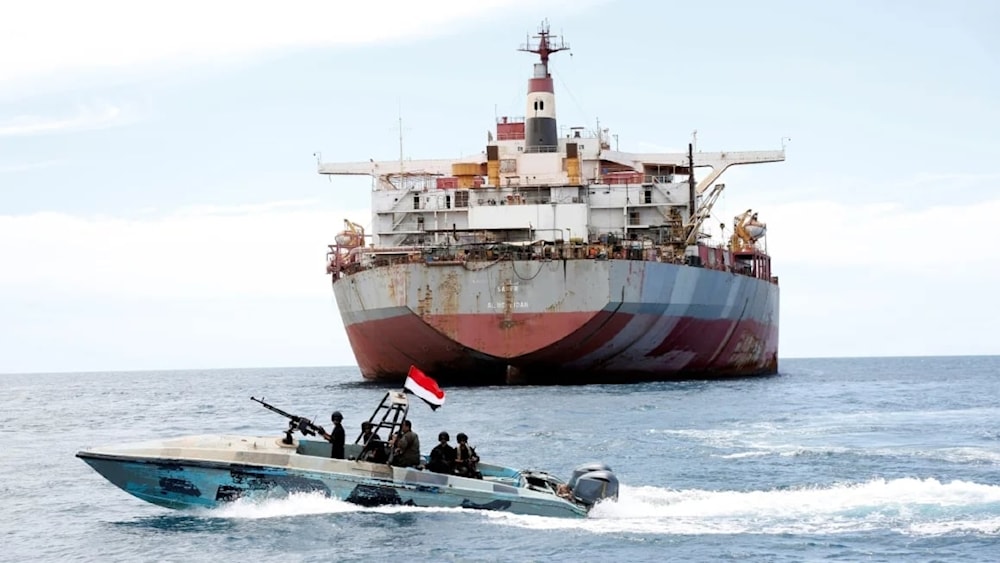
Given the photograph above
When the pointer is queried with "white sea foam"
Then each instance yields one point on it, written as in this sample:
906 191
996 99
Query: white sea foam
962 455
742 455
295 504
989 526
300 504
913 506
908 506
761 440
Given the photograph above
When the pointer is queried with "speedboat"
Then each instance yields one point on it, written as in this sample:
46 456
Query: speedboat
210 470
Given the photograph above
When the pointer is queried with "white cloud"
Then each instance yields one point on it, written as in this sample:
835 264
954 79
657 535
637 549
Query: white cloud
954 180
946 240
885 279
85 118
52 36
911 226
274 250
202 287
26 166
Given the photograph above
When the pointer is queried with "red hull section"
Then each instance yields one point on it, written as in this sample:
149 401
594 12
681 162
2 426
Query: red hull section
493 335
600 349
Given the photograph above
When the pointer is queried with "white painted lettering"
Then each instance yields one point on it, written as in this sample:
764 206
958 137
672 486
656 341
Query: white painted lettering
503 305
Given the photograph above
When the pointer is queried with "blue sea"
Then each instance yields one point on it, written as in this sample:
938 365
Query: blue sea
889 459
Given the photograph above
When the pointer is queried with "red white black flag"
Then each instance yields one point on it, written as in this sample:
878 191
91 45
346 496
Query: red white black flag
418 383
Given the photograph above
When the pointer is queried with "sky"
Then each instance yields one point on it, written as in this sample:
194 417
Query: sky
160 206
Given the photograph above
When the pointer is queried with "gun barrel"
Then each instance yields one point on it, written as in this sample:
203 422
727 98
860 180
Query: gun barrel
300 423
274 409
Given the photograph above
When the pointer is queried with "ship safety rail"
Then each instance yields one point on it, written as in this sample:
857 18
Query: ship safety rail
577 132
624 177
512 129
541 148
753 264
660 178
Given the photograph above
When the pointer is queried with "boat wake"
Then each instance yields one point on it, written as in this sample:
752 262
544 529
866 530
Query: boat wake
918 507
905 506
305 504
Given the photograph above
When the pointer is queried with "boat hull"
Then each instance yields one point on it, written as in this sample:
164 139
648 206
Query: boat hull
559 321
208 471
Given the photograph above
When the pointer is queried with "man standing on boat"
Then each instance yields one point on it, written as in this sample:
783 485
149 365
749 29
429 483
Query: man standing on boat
406 450
336 436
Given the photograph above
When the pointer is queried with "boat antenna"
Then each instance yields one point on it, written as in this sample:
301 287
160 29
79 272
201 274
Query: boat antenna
545 46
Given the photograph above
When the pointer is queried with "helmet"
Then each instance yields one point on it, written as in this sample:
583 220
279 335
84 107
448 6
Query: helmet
462 437
443 437
336 416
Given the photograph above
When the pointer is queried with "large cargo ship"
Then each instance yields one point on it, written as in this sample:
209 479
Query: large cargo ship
552 257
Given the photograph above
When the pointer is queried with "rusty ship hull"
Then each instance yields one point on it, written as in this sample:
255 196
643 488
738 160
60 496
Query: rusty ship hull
560 321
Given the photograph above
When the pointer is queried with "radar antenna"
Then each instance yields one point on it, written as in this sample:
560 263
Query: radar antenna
545 46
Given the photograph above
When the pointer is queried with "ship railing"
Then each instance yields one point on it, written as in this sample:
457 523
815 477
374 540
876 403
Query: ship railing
625 178
575 132
517 136
342 261
541 148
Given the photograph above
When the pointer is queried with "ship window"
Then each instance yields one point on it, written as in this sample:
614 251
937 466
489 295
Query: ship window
416 202
462 198
648 196
633 217
447 202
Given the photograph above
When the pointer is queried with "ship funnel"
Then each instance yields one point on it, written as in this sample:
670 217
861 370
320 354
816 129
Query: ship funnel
540 132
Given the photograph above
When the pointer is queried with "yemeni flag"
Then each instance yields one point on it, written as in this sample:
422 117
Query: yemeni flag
418 383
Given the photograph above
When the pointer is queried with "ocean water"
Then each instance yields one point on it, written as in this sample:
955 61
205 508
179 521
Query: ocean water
892 459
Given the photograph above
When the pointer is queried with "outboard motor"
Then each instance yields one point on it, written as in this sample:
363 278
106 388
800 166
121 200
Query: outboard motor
592 482
587 468
594 486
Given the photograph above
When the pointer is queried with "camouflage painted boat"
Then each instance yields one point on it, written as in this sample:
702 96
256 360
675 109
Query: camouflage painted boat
554 257
209 470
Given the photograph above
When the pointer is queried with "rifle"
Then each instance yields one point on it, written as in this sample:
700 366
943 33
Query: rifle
295 422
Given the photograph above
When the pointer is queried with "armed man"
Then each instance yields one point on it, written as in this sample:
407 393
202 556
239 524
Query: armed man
336 436
406 449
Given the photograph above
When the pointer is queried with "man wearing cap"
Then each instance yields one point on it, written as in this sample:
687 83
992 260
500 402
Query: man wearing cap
336 436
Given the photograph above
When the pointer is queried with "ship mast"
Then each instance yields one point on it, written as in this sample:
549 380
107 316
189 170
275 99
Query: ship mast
692 207
541 134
